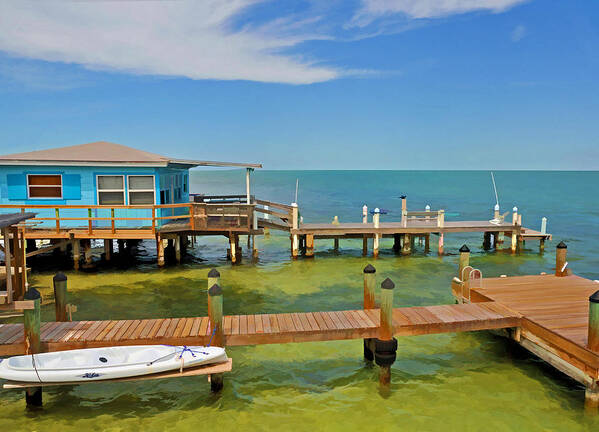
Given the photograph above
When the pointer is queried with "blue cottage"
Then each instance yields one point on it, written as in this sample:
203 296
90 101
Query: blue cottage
99 174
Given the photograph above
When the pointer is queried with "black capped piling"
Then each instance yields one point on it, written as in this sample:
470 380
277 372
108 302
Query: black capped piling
32 324
385 344
60 296
561 254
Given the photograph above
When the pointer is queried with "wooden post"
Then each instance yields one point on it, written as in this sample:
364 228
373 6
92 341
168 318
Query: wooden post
57 214
593 334
427 243
76 253
8 262
404 209
386 345
159 250
487 240
32 323
247 185
60 296
376 217
396 242
407 244
561 253
427 208
294 225
87 250
233 247
107 249
112 222
365 214
336 245
464 261
309 245
89 221
178 249
441 245
365 238
496 214
215 316
369 287
514 231
364 245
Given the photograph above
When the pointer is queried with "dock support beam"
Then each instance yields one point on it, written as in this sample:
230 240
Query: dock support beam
76 253
32 323
364 246
60 296
561 253
108 247
487 240
178 249
215 315
309 245
159 249
386 344
441 244
369 287
234 247
336 245
407 244
427 243
87 252
396 243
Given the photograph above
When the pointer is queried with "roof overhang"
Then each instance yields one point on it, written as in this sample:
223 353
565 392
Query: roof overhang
174 163
9 219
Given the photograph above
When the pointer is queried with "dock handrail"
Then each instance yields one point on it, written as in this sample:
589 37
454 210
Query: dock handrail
438 215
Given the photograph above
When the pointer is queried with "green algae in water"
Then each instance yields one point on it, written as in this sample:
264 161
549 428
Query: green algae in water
462 382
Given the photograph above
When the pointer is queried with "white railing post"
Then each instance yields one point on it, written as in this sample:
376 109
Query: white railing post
427 209
365 214
544 226
376 223
441 218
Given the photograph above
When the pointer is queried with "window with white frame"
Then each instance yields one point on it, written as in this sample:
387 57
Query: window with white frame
141 189
44 185
111 189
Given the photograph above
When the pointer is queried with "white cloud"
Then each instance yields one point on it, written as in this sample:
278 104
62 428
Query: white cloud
518 33
373 9
194 39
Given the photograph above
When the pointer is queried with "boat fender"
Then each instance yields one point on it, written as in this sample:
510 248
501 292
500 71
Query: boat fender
385 352
368 354
385 346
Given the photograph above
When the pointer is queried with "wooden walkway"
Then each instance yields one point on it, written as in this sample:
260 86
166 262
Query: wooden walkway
555 316
263 328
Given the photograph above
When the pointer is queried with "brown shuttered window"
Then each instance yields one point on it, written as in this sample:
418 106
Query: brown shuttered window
44 186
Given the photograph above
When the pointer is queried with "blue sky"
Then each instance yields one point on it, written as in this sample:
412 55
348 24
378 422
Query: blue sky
364 84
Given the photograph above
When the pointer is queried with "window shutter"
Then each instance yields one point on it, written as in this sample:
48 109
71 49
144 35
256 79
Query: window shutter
71 186
17 186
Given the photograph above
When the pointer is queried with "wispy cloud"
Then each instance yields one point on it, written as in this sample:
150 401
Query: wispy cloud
195 39
518 33
207 39
374 9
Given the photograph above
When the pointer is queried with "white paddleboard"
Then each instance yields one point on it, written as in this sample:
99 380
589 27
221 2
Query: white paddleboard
93 364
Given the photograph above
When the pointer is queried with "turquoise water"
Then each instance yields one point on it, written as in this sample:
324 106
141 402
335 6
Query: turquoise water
462 382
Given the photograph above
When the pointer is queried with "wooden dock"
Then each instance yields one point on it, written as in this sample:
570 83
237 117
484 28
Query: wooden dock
262 328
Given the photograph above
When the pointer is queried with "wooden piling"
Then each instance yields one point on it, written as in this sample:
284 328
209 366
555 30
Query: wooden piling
396 242
385 331
407 244
215 316
336 245
487 240
310 245
593 333
87 252
464 261
561 253
369 303
427 243
178 249
159 250
233 247
76 253
441 244
376 217
364 245
32 324
108 249
60 296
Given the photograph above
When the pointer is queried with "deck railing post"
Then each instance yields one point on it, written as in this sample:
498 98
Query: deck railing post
365 214
32 323
295 226
215 315
112 224
369 287
440 218
60 296
514 230
89 221
561 253
386 344
57 213
404 210
427 209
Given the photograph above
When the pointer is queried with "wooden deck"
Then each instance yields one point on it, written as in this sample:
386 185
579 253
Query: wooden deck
555 314
262 328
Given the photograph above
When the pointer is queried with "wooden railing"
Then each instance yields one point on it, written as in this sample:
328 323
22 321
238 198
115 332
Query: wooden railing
216 217
438 216
282 217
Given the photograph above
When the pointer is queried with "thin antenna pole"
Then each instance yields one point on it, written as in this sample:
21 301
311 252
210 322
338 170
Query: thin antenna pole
494 188
296 187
